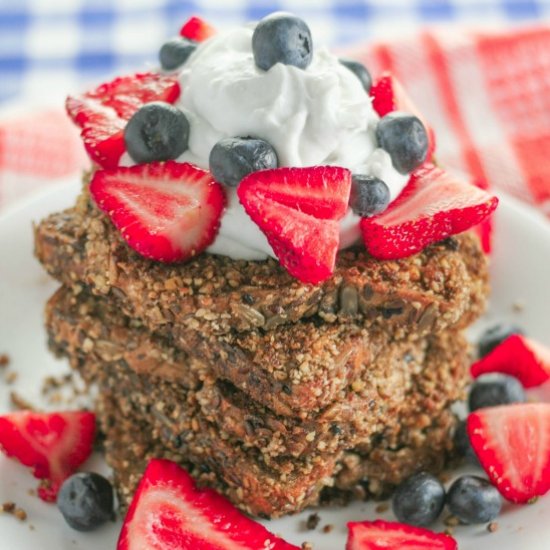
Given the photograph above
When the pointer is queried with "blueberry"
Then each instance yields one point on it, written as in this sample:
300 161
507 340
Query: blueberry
231 159
491 390
282 38
369 195
473 499
175 52
86 501
360 71
494 336
157 131
462 444
404 137
419 500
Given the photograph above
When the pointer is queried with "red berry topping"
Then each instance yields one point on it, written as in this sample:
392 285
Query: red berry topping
389 95
166 211
485 233
319 191
518 356
168 512
197 29
102 113
298 210
484 230
434 205
512 443
54 445
383 535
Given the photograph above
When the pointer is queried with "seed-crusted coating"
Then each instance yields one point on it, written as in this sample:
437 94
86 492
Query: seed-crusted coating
130 441
401 377
444 286
295 369
79 323
423 444
258 482
244 477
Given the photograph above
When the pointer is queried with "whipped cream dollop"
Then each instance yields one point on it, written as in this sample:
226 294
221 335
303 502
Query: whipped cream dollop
317 116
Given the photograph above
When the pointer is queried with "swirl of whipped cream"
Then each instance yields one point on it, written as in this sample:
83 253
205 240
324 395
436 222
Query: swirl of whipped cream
317 116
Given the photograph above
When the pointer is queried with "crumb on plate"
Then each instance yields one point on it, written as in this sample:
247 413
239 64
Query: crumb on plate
492 527
20 403
313 521
11 508
11 377
451 521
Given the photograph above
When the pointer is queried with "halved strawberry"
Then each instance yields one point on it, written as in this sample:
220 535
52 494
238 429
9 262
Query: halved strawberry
434 205
166 211
197 29
383 535
518 356
305 246
102 113
169 512
54 445
319 191
298 210
512 443
389 95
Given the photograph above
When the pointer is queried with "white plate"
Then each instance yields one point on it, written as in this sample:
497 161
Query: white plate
520 275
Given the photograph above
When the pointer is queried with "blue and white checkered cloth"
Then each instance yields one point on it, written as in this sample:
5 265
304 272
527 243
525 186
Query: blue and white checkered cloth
50 47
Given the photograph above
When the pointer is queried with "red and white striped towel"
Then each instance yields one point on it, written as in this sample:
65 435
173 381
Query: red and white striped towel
487 95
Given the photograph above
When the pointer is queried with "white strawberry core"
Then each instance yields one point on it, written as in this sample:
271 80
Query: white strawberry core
53 438
183 220
317 116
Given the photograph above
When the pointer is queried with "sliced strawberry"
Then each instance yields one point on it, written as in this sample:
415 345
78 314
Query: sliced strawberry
434 205
126 94
389 95
320 191
169 512
383 535
54 445
197 29
484 230
298 210
518 356
102 113
102 130
305 246
512 443
166 211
